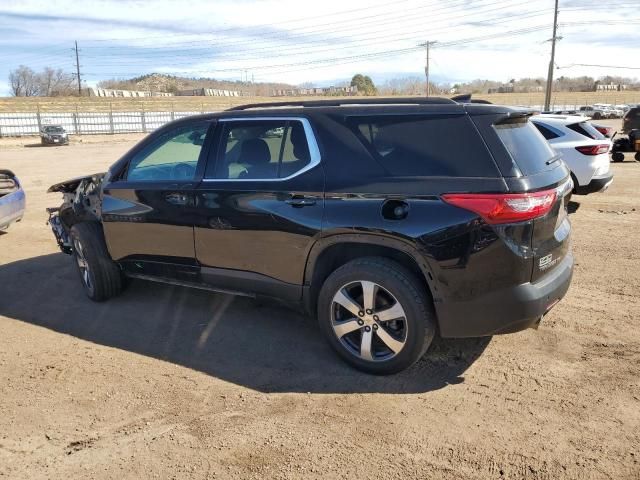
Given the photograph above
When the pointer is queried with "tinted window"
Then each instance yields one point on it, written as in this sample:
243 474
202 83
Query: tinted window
440 145
633 113
586 129
546 133
261 150
172 156
526 145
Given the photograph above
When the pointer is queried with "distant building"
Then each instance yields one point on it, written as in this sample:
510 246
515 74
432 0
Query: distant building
317 91
108 92
611 87
502 89
208 92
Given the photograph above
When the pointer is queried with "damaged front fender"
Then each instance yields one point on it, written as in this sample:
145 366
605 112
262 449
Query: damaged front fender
81 203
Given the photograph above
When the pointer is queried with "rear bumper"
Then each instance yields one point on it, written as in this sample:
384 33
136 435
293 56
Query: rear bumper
598 184
506 311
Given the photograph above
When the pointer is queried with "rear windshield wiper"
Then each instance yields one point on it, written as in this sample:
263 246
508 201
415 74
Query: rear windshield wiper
553 159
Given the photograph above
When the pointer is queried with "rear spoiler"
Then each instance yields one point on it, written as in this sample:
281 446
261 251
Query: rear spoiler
466 98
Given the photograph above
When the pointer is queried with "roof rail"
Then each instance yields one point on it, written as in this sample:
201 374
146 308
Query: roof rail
348 101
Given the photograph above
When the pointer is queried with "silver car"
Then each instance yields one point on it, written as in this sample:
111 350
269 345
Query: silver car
12 199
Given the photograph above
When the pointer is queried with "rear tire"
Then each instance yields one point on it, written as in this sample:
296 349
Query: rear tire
617 157
100 275
637 156
385 334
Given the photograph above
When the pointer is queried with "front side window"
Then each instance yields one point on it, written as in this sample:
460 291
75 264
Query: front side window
261 150
173 156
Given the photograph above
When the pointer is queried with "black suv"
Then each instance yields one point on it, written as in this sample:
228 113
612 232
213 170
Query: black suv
388 219
631 120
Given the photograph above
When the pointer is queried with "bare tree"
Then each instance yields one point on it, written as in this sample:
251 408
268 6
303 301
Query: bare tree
53 82
23 82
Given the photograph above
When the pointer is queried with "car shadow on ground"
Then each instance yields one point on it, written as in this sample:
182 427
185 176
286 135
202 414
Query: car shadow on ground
44 145
572 207
265 347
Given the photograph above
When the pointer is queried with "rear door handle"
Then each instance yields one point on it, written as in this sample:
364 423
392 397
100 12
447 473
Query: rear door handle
301 201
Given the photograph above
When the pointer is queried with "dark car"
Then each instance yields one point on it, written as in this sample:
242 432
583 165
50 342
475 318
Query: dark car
53 135
390 220
631 120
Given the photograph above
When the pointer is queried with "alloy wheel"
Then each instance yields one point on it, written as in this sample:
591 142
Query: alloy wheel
369 321
83 265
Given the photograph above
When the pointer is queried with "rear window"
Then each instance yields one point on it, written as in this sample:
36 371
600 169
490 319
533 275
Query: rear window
586 129
633 113
526 145
421 146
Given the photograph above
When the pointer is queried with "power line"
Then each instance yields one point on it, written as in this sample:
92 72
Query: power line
599 66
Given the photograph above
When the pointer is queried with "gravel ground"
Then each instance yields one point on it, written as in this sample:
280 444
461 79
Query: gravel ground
165 382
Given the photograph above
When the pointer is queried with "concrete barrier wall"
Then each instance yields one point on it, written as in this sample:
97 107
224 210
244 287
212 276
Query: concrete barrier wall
86 123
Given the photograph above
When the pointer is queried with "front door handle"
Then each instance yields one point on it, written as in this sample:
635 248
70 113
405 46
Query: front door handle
178 198
301 201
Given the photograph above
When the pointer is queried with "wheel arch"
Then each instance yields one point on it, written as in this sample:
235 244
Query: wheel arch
330 253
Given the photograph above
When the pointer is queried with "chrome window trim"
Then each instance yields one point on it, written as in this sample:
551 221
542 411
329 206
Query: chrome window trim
314 151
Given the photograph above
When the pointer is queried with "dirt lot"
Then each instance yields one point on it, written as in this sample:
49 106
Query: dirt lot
166 382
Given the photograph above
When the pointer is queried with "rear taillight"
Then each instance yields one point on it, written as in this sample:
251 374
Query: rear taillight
593 149
606 131
504 207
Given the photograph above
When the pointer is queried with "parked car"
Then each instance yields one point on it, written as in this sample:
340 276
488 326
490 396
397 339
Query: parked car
631 120
583 148
12 199
609 110
388 219
53 135
593 111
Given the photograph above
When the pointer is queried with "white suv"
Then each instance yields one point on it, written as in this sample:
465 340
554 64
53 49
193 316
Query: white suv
594 112
583 148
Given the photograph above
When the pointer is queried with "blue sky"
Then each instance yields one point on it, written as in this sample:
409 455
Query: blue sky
319 42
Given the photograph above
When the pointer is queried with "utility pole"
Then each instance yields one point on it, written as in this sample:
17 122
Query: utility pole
78 71
427 45
547 96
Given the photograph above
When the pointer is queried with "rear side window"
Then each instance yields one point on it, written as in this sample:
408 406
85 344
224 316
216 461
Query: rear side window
261 150
586 129
421 146
526 145
546 132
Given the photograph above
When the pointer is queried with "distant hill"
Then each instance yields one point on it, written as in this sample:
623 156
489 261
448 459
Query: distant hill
158 82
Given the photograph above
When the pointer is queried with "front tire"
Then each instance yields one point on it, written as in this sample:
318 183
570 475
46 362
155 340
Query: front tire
100 275
376 315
